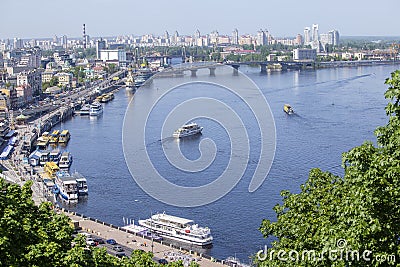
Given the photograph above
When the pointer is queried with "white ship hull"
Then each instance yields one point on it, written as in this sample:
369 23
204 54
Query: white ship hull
178 229
187 133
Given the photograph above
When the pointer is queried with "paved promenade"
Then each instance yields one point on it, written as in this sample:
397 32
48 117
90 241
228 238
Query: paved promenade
138 242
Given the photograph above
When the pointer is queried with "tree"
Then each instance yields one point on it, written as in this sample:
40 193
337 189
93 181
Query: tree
30 235
33 235
335 218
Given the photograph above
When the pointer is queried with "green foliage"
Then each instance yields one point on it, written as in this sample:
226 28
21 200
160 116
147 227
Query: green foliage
37 236
30 235
361 208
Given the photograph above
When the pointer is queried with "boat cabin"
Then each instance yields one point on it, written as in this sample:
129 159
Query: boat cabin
64 136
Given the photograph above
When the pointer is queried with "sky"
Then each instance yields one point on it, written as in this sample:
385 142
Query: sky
47 18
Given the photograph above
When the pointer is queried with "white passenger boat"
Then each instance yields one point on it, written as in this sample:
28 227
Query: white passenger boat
85 110
66 186
178 229
187 130
96 109
81 183
65 160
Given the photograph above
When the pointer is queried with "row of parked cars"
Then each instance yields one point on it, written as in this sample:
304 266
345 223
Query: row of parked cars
91 241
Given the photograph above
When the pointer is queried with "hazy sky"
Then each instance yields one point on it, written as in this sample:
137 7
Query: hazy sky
46 18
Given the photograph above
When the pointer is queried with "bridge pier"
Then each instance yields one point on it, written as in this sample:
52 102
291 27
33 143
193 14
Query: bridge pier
263 68
212 71
235 69
193 73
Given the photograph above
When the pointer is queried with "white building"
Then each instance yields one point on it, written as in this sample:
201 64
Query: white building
235 37
116 54
307 38
304 54
315 35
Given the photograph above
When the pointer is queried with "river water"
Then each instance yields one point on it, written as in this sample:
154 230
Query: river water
336 109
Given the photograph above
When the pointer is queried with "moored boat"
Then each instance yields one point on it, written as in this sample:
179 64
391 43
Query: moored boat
187 130
81 183
96 109
55 156
65 160
288 109
54 137
64 137
66 185
106 98
42 143
178 229
85 110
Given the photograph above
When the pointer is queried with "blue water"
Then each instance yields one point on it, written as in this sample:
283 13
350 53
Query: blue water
336 109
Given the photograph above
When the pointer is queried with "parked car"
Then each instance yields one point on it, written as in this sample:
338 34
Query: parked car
120 254
118 248
111 241
99 240
163 261
90 241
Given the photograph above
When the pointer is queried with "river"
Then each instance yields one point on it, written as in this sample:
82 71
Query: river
336 109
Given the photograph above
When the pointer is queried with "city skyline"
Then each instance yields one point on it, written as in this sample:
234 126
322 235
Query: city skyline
33 19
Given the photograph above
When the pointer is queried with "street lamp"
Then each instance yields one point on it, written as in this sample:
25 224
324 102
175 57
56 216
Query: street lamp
151 224
151 232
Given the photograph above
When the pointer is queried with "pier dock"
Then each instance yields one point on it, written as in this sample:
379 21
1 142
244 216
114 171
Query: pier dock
130 240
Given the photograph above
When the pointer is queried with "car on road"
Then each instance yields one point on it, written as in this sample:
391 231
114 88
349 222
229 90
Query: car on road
111 241
120 254
163 261
99 240
90 241
118 248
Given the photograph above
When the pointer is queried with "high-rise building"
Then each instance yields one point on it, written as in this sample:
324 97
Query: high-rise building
18 43
315 36
261 38
175 38
64 41
214 37
335 37
235 37
307 38
100 45
299 39
166 37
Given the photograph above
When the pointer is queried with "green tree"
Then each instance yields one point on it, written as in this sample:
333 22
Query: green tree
357 212
30 235
33 235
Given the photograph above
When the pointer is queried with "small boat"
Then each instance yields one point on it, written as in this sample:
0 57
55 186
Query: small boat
82 184
46 136
51 169
42 143
95 109
64 137
67 186
288 109
85 110
187 130
106 98
65 160
55 156
54 137
178 229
